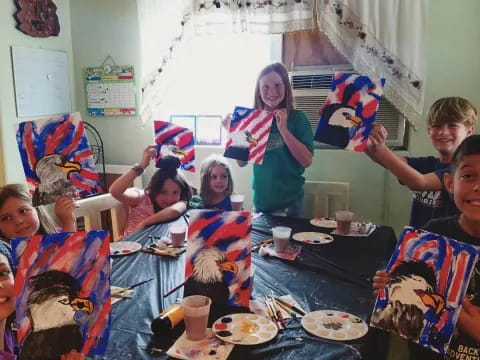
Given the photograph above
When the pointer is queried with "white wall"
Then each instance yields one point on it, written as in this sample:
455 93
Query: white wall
9 35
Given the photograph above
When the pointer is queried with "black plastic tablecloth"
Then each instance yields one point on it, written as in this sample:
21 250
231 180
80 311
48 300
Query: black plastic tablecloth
333 276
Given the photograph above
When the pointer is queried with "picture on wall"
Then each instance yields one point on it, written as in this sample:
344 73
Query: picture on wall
428 276
349 111
57 158
177 141
62 287
248 134
219 256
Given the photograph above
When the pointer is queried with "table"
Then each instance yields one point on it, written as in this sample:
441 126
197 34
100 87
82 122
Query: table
332 276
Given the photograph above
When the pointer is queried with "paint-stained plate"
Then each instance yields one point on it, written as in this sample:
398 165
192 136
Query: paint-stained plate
124 248
334 325
315 238
324 222
244 329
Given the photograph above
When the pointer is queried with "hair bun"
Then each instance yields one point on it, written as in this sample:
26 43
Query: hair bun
168 162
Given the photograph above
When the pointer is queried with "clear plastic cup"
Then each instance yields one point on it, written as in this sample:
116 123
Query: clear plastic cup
177 233
344 221
195 310
237 202
281 237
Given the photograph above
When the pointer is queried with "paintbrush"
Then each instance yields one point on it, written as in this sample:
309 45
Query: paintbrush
277 311
270 313
276 319
289 306
171 291
134 286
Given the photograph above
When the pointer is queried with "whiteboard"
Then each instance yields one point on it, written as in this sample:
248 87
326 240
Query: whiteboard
42 84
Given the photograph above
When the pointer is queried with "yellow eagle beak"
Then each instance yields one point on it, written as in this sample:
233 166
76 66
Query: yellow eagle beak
251 140
79 304
355 120
434 301
180 152
70 166
228 266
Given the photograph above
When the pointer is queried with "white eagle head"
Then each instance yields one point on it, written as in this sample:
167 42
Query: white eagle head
209 264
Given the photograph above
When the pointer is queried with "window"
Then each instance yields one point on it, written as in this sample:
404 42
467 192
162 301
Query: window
207 129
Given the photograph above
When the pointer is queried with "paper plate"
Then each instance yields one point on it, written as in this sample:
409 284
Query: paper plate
334 325
244 329
124 248
316 238
323 222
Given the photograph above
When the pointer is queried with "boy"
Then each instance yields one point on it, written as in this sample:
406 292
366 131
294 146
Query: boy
449 121
464 183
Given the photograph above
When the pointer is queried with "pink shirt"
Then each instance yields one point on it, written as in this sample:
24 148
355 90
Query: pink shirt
138 213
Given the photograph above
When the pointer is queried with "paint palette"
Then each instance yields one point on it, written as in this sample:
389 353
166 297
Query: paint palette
244 329
210 348
316 238
124 248
324 222
334 325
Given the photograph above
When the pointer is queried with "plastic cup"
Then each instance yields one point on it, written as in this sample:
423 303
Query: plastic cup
195 310
344 221
281 237
177 233
237 201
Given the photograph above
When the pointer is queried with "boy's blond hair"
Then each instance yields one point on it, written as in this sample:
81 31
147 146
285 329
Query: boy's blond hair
450 110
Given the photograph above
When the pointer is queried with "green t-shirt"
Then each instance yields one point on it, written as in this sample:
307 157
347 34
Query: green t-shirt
278 182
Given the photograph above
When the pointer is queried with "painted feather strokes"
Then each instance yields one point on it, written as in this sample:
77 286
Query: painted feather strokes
62 287
57 158
174 140
351 107
249 131
219 257
428 276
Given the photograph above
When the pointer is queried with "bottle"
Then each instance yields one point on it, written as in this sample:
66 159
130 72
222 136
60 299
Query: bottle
168 319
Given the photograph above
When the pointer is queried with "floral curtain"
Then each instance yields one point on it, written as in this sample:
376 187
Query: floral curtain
254 16
383 39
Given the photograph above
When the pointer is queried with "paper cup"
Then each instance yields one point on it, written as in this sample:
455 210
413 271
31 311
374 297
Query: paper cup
237 202
344 221
195 310
281 237
177 233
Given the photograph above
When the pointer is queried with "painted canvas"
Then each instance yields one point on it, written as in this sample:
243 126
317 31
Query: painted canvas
347 116
62 288
174 140
57 158
219 256
428 276
248 134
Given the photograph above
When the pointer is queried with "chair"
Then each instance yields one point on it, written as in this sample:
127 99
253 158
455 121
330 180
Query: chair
324 198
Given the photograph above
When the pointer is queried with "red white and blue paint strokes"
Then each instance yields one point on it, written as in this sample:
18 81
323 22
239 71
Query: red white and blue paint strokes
248 134
347 116
83 257
176 141
226 237
453 263
60 141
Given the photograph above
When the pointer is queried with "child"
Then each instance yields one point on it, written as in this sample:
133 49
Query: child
165 198
449 121
7 307
278 182
216 185
464 183
18 217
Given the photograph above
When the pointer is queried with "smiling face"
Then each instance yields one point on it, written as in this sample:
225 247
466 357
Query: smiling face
465 186
169 194
7 299
218 179
18 218
272 90
446 137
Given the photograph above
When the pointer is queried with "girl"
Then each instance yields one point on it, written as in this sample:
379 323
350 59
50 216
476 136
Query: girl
216 185
278 182
18 217
7 305
164 199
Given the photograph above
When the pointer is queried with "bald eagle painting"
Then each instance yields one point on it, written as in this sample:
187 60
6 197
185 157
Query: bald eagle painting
57 158
347 116
177 141
63 294
248 134
428 277
219 257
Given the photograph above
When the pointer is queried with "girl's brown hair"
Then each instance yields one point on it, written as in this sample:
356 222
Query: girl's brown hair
19 191
205 173
287 101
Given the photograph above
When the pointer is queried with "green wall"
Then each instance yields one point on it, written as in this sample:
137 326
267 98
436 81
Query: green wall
9 36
